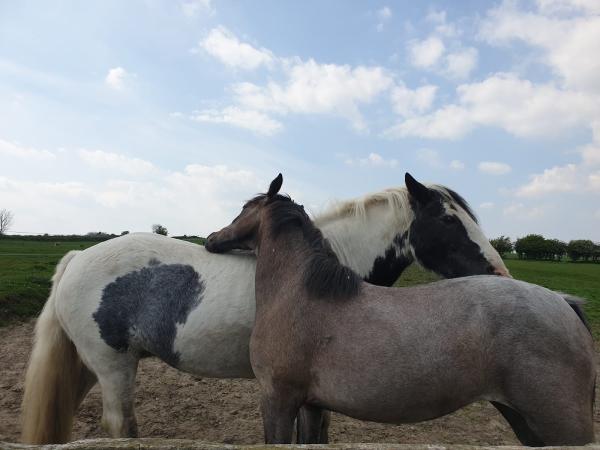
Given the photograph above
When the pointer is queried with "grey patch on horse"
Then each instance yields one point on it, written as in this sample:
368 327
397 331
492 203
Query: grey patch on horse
140 311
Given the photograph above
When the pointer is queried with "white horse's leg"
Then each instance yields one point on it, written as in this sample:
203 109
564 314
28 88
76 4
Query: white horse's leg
117 381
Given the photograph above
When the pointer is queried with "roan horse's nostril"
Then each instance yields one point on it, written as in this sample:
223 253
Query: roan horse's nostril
209 244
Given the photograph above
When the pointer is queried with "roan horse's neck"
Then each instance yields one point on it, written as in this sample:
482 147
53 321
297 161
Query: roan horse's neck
375 244
298 259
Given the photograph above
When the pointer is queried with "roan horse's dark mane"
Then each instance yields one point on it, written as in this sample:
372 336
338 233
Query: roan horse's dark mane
324 276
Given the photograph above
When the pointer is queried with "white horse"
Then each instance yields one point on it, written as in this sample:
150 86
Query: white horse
147 295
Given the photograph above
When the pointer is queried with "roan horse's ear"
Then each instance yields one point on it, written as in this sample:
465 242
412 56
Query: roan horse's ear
418 191
275 186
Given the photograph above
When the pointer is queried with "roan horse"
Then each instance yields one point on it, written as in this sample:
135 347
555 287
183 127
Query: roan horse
144 294
324 338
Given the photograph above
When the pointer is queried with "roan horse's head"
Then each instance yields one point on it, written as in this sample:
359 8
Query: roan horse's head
243 231
445 236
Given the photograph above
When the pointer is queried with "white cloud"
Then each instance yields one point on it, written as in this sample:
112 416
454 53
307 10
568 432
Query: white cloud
242 118
314 88
197 199
523 212
384 14
573 178
460 64
591 154
486 205
569 43
426 53
494 168
429 157
593 182
567 35
19 151
373 160
435 16
115 78
407 102
449 122
556 179
518 106
442 27
565 6
116 162
457 165
227 48
192 8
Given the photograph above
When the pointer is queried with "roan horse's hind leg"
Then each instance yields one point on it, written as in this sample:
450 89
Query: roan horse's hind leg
553 409
519 426
117 381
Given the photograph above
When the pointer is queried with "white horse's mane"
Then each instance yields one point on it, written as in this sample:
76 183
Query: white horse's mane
395 198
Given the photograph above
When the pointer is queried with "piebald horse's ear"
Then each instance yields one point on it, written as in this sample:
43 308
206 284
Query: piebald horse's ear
418 191
275 186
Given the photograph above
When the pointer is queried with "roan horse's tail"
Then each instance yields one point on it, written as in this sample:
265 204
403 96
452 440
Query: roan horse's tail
55 376
576 303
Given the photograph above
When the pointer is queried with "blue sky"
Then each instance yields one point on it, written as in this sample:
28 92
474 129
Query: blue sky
117 115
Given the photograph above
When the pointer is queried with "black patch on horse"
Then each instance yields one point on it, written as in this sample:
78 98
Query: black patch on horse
433 228
387 268
324 275
141 310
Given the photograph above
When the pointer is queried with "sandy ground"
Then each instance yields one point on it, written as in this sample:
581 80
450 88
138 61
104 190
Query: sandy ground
172 404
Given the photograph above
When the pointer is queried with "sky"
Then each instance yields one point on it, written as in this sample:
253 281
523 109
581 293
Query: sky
118 115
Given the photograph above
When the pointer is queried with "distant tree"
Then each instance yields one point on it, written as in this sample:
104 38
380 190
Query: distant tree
159 229
97 234
556 249
502 245
123 233
532 246
581 249
596 254
6 220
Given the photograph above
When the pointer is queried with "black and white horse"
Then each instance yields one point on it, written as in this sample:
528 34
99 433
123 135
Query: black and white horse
147 295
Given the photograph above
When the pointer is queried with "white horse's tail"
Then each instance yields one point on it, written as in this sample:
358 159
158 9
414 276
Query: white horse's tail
55 374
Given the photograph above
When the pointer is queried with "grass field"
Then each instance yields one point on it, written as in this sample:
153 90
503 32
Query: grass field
27 266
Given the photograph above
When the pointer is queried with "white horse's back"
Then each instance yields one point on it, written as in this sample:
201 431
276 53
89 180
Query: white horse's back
135 274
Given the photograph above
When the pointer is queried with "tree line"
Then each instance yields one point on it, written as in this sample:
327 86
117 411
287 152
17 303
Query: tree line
536 246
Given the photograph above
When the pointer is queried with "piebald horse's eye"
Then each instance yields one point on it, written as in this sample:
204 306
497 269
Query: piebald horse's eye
448 219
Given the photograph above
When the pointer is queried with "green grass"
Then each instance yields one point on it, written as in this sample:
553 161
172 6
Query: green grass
25 271
414 274
27 266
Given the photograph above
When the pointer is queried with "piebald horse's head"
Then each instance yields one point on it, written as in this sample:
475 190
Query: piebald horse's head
444 235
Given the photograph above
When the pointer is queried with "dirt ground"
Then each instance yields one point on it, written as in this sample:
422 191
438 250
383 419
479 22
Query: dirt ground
172 404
